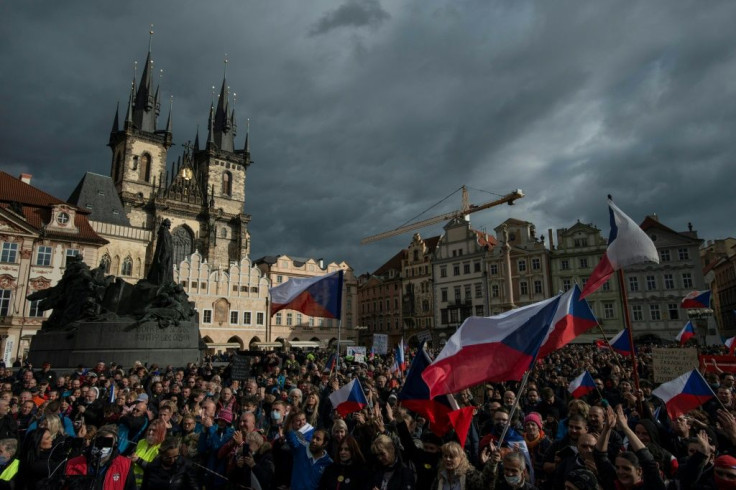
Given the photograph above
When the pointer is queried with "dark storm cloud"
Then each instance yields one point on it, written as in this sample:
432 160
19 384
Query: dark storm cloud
353 13
358 130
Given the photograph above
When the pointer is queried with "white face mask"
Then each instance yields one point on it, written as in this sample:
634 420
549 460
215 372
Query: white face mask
514 481
101 453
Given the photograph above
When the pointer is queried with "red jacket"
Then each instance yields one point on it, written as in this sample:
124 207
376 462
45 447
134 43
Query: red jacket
116 476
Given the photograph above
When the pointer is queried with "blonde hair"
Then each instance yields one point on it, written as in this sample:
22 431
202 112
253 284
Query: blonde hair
455 450
383 443
580 406
53 424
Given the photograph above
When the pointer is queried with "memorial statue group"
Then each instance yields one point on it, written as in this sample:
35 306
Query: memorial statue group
274 427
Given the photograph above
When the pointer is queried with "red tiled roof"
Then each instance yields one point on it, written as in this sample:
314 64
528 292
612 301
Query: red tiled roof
393 263
484 239
36 209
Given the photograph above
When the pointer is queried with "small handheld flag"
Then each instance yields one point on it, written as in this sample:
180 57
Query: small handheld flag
621 344
687 332
582 385
696 299
314 296
684 393
348 399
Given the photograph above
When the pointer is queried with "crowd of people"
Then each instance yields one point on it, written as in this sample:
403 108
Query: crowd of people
196 427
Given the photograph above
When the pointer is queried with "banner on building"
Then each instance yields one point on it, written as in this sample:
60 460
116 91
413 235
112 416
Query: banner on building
8 353
668 364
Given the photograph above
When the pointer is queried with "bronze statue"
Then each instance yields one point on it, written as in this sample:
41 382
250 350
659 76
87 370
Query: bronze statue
162 268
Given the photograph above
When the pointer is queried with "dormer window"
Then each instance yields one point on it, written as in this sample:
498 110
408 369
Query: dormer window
62 219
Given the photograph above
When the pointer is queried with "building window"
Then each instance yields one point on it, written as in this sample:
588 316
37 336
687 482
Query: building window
606 286
536 264
584 263
443 271
524 288
669 281
538 287
34 310
289 319
443 294
565 264
466 268
687 280
478 289
608 311
674 311
566 284
260 318
476 266
43 257
279 279
105 263
70 252
683 253
654 312
636 313
664 255
444 318
456 269
311 322
9 253
144 172
494 269
4 302
227 183
580 242
478 310
494 290
521 265
207 316
457 292
234 317
468 296
633 283
298 318
278 318
127 268
651 283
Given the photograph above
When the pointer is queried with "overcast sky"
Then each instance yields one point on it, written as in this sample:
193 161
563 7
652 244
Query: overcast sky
365 113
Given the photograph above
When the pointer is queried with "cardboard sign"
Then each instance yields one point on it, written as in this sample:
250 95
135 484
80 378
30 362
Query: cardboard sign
671 363
357 354
424 336
380 343
241 368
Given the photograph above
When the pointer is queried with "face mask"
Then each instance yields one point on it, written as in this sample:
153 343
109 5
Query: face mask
514 481
276 415
101 453
3 460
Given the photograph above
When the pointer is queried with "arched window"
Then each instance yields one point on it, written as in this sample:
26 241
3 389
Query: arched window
144 171
127 269
227 183
105 263
182 242
223 233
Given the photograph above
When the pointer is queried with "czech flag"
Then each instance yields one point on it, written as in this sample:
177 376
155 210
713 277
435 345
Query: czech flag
582 385
620 343
502 347
516 442
314 296
627 245
684 393
348 399
331 362
731 344
686 333
399 358
697 299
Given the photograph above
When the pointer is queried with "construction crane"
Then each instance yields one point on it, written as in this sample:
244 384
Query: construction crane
466 209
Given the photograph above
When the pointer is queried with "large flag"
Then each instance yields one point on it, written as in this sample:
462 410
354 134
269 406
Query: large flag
627 245
314 296
502 347
697 299
684 393
348 399
687 332
620 343
582 385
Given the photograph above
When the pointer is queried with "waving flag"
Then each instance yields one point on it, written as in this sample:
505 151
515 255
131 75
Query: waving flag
684 393
502 347
582 385
348 399
620 343
331 362
627 245
697 299
399 358
686 333
314 296
731 344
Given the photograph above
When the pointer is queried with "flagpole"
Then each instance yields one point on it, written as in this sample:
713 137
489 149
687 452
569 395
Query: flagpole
627 319
337 356
515 406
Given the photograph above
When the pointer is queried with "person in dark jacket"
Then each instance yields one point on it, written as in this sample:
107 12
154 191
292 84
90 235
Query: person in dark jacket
348 472
8 425
252 461
101 467
170 470
391 473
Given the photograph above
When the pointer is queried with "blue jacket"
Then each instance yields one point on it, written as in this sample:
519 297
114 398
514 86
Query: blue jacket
307 471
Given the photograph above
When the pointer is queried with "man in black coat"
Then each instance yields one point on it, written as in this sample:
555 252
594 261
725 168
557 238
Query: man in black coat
170 470
8 425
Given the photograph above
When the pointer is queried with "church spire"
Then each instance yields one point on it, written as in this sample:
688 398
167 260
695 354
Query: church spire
223 127
146 104
116 120
171 109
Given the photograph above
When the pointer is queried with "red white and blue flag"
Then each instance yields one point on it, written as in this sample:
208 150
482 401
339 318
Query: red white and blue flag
627 245
621 344
331 362
687 332
697 299
399 358
502 347
442 412
314 296
731 344
348 399
684 393
582 385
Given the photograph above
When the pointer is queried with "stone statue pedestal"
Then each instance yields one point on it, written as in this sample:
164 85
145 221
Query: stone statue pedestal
119 341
